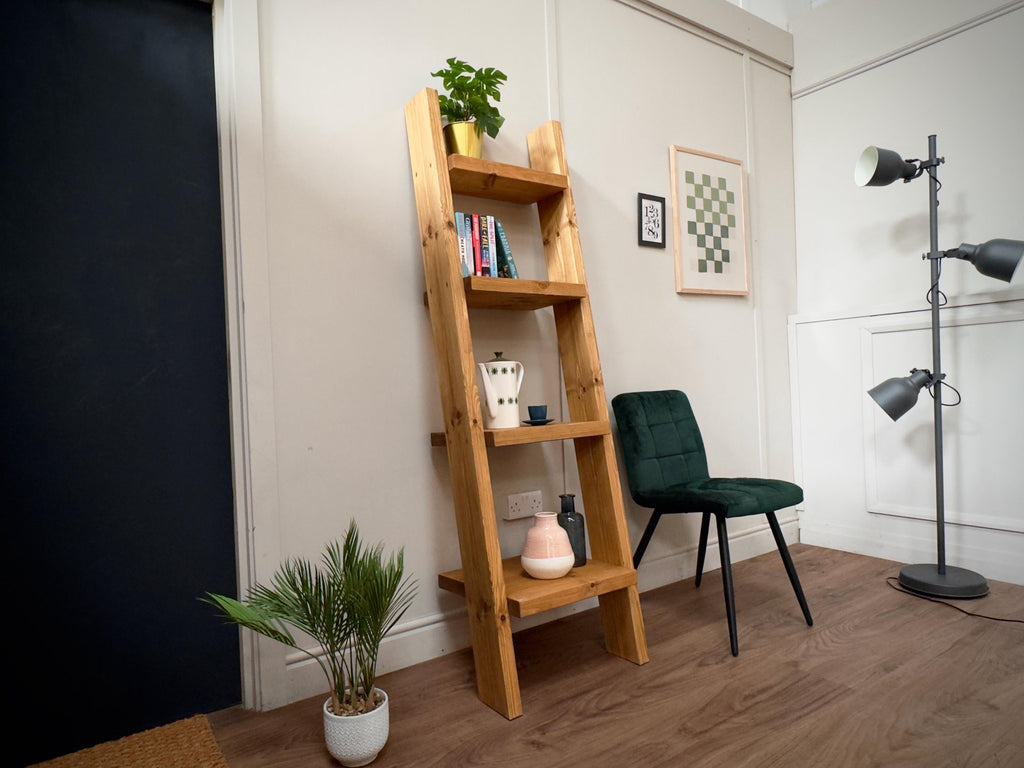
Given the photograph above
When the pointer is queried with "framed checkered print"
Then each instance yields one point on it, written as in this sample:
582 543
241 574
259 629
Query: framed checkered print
709 216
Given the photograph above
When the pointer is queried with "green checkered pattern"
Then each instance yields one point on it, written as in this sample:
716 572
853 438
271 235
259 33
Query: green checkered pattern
712 204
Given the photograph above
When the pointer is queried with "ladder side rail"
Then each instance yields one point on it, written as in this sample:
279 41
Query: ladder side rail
585 393
490 625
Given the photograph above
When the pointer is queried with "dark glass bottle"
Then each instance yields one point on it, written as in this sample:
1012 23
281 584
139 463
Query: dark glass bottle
574 525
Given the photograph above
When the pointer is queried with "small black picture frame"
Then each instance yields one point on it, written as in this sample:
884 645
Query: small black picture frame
650 220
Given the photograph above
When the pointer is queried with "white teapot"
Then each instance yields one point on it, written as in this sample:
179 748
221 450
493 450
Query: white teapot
502 380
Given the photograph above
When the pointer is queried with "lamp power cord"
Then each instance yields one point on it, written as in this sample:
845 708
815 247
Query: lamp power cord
893 582
935 294
935 386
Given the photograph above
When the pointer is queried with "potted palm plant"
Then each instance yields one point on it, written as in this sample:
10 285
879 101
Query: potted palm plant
347 605
467 106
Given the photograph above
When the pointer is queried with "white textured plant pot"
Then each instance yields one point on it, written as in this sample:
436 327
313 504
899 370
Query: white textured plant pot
357 739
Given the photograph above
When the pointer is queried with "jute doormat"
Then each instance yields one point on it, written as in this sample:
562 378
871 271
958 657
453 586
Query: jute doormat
187 743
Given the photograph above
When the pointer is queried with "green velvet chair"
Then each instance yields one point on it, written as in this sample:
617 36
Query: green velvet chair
668 473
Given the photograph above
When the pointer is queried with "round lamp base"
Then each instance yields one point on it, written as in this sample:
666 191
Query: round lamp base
958 583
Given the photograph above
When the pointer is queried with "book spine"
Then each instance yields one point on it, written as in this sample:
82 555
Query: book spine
506 250
460 227
467 242
492 239
485 248
502 261
476 245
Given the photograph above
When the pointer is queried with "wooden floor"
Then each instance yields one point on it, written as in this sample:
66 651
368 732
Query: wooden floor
881 679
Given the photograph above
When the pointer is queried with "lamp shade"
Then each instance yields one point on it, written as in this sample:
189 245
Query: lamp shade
898 395
996 258
878 167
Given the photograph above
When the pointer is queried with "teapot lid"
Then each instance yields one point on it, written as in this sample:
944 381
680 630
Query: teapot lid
497 358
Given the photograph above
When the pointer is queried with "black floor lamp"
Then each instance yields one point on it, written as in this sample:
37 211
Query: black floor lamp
996 258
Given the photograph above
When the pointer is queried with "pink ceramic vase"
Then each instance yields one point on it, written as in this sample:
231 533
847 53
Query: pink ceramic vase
547 553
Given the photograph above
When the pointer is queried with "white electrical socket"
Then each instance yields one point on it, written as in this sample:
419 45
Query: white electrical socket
523 505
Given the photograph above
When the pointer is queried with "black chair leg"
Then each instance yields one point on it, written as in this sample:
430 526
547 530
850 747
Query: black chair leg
703 548
730 601
780 542
646 538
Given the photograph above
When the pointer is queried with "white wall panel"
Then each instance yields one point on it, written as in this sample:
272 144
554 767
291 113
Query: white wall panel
982 437
352 380
890 74
633 84
869 481
355 383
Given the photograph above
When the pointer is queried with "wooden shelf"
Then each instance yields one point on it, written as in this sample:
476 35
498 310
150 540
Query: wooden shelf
569 430
527 596
500 181
504 293
508 293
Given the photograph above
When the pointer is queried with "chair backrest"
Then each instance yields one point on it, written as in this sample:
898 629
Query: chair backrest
661 441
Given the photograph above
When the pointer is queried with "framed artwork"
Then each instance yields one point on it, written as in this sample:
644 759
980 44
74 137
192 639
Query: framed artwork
650 220
709 220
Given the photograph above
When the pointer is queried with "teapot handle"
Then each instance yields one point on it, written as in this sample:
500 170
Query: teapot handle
490 398
519 376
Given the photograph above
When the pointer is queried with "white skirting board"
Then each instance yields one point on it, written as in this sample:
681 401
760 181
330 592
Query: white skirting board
432 636
993 556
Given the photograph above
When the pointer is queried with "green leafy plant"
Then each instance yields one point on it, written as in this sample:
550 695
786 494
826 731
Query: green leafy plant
347 606
469 93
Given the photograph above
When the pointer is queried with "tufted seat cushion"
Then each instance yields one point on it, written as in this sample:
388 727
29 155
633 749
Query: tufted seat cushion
732 497
667 466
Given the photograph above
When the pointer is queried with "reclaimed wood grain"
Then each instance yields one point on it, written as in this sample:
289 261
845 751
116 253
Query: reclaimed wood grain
562 430
527 596
500 181
497 683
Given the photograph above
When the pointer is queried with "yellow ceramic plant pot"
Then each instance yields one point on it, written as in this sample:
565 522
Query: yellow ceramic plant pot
463 139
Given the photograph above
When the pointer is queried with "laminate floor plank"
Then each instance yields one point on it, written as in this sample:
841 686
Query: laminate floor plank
881 679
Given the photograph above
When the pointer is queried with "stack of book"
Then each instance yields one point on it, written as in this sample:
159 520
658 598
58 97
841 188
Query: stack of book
483 246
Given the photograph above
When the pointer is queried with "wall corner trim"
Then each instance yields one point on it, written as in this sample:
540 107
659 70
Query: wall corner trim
917 45
724 22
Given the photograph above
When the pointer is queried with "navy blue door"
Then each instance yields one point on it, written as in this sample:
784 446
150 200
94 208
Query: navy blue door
117 488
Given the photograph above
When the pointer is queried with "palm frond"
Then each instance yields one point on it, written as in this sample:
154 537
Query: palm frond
347 605
252 617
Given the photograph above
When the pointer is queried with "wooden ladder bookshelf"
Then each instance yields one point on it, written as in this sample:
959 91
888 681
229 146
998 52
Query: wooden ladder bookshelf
494 589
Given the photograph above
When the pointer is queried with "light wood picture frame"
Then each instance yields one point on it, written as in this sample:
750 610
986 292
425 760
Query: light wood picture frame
709 213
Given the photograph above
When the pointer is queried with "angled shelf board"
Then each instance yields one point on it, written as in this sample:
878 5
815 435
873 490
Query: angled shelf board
527 596
500 181
569 430
502 293
495 590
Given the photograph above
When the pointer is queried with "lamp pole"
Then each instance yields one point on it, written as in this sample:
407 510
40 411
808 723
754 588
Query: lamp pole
935 257
938 579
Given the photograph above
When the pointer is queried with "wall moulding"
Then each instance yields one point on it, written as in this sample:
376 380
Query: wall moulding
917 45
982 436
247 297
725 25
991 298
